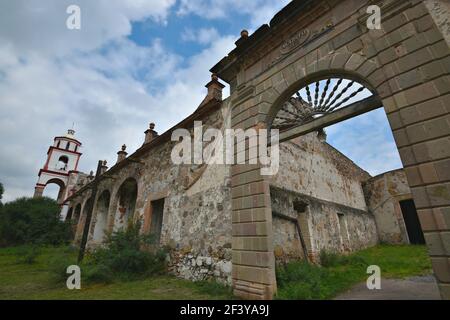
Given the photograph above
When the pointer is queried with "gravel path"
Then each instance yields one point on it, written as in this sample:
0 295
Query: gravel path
414 288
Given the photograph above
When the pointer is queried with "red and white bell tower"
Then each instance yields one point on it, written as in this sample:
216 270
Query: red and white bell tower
62 162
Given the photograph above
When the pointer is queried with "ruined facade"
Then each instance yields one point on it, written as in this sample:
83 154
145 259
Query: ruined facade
232 223
318 201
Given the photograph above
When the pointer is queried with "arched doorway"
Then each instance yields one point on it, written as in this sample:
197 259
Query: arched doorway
126 203
317 185
101 212
56 193
76 214
82 219
69 214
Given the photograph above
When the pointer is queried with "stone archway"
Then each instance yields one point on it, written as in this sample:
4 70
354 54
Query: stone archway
405 63
125 203
69 214
82 218
62 188
76 214
101 216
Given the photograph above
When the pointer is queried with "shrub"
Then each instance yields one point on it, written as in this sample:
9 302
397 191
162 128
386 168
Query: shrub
128 253
58 263
28 254
96 273
33 221
300 280
329 259
332 259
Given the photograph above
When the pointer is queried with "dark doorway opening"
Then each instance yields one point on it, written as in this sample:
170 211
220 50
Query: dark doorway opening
157 219
412 223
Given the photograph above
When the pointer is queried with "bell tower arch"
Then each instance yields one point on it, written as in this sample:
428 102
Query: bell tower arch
62 160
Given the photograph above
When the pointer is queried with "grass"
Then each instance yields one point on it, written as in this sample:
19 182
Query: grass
19 280
32 278
299 280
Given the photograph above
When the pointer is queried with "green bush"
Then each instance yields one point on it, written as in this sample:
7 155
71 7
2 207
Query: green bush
96 273
58 263
33 221
28 254
128 253
332 259
125 255
329 259
301 280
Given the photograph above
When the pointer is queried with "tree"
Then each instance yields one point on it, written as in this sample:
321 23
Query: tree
1 192
36 221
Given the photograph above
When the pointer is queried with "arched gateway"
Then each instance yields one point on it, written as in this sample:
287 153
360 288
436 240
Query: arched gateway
315 47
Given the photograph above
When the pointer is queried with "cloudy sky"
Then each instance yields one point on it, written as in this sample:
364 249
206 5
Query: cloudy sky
132 62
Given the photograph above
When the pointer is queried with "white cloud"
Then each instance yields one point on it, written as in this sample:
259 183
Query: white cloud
202 35
109 87
97 78
368 141
40 26
259 11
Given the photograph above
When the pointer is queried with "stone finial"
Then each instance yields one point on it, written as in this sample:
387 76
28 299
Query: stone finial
243 38
150 133
104 168
91 175
122 154
214 89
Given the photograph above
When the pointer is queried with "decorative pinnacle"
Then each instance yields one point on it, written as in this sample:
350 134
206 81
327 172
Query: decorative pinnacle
104 163
244 33
124 147
152 126
214 77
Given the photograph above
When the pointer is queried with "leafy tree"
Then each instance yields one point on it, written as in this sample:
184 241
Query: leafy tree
1 192
32 221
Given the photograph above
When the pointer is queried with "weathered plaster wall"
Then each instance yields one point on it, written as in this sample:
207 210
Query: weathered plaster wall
383 194
321 227
196 224
313 167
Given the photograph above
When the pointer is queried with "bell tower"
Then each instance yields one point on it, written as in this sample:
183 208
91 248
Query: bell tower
62 161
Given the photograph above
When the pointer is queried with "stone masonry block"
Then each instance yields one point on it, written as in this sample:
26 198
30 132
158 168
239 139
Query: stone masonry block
354 62
340 60
441 267
434 244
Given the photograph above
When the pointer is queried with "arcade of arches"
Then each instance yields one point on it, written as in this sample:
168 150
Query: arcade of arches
314 65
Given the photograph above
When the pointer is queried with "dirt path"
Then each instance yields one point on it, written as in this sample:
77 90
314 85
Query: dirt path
414 288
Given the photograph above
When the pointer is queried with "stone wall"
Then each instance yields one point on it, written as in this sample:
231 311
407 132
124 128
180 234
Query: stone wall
383 194
311 166
331 184
196 223
324 225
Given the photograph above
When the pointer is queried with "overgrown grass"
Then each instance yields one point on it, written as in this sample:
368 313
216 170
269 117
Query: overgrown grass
37 281
299 280
22 280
